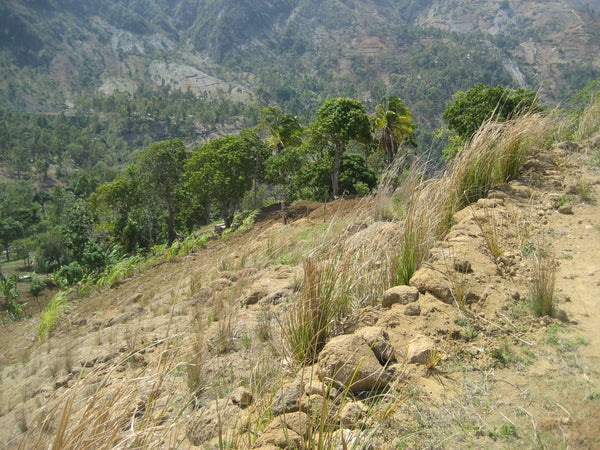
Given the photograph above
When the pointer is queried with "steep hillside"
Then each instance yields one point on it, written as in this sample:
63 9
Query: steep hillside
207 347
295 53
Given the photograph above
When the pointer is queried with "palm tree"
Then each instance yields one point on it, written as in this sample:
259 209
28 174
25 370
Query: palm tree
285 133
393 120
285 129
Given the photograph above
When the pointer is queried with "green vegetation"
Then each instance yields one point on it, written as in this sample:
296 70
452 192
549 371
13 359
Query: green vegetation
393 122
479 104
339 121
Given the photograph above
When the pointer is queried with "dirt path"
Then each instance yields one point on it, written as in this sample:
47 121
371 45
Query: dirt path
578 250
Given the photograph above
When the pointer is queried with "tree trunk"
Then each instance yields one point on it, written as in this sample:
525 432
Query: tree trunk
335 175
283 210
171 235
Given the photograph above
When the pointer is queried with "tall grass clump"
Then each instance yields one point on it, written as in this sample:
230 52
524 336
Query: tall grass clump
494 155
541 292
121 270
311 319
589 122
423 223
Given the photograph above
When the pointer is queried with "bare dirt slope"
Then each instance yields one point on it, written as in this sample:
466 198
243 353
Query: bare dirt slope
191 329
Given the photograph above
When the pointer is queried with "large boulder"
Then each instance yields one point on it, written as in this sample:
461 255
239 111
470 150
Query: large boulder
350 361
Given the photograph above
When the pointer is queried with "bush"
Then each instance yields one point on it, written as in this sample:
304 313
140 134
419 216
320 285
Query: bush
72 273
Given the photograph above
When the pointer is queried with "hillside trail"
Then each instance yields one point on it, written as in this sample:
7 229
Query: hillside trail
567 383
577 247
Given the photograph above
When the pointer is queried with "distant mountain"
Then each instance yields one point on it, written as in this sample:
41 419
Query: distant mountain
295 53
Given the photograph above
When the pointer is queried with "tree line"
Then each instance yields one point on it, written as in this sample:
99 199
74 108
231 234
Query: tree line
168 190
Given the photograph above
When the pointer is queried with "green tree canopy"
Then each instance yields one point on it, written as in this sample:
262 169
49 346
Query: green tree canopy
114 204
480 103
339 121
222 169
281 168
161 172
10 230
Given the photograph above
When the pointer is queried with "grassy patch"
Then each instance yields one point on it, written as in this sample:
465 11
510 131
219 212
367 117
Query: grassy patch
52 312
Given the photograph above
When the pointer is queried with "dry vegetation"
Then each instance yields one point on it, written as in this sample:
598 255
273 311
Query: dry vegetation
149 356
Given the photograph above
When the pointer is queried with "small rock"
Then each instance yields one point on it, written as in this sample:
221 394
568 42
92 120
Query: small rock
278 437
498 195
400 294
561 315
379 341
352 413
545 321
253 296
356 227
565 209
316 406
490 202
462 265
136 298
79 322
288 399
419 350
218 416
242 397
414 309
428 280
64 381
349 360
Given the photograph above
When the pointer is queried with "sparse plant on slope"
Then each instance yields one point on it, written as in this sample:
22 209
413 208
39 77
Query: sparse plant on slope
489 230
311 318
52 312
541 292
589 123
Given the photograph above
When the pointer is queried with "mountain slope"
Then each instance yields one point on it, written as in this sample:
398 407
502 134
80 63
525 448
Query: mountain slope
297 52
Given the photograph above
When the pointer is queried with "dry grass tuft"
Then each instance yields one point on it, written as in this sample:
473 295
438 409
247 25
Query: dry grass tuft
589 122
542 287
102 410
494 155
309 321
489 230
